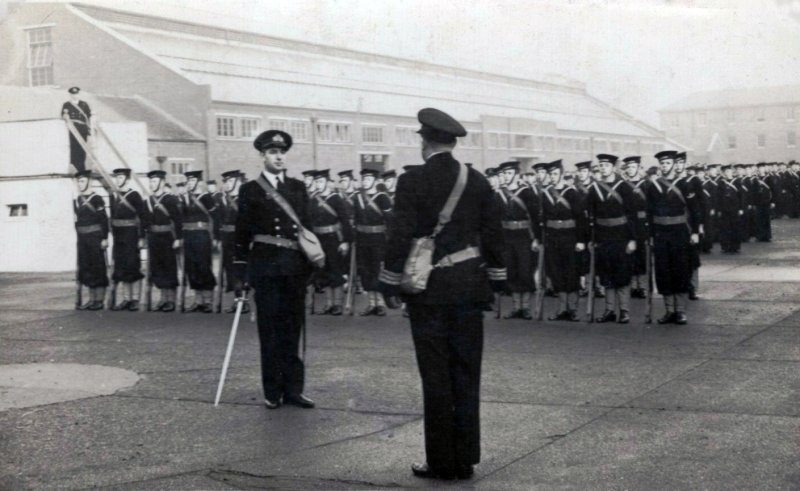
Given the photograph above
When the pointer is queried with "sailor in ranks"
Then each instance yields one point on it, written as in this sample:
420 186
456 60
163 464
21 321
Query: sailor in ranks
331 222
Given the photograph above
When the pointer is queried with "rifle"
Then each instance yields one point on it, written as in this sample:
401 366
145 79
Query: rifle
590 282
149 294
221 277
229 350
182 284
648 316
542 286
351 281
499 306
79 296
110 272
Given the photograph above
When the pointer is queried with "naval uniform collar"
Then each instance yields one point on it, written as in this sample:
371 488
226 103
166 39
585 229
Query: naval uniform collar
273 178
435 154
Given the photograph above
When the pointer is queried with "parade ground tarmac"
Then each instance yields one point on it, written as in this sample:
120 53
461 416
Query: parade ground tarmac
120 400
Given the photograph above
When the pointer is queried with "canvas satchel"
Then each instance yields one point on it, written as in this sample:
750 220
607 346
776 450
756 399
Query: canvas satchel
419 264
308 242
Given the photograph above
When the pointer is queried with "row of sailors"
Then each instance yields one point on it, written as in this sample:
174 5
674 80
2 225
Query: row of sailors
622 210
187 227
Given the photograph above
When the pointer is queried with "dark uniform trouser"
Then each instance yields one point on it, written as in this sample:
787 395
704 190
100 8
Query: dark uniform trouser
228 246
127 262
562 262
729 238
614 265
197 259
673 260
763 223
448 340
521 265
336 264
280 307
369 259
77 156
163 260
91 261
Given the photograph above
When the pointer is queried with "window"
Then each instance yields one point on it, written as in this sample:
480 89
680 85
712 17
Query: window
405 135
731 115
372 134
300 130
674 121
177 167
701 119
278 124
18 210
225 127
523 141
333 132
762 141
791 139
731 141
615 146
474 139
40 56
790 113
760 117
249 127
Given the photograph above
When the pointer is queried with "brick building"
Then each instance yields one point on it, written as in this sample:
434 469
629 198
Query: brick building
344 108
737 125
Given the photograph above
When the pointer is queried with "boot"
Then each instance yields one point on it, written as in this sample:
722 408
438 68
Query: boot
608 316
624 317
668 318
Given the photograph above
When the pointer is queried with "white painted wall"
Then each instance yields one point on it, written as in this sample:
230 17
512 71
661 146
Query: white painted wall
45 240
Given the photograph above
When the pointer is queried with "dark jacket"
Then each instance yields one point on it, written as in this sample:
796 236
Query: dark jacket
165 210
91 210
610 203
673 198
421 195
261 215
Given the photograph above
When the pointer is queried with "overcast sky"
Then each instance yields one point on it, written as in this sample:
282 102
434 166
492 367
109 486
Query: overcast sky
637 54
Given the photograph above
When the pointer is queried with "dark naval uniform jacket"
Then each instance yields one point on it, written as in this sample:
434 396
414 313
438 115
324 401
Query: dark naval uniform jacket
421 195
91 225
259 216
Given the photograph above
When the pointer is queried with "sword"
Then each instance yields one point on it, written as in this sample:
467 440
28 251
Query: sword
229 350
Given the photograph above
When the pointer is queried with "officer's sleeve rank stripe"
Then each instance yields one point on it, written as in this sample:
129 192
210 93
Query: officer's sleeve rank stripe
497 274
389 277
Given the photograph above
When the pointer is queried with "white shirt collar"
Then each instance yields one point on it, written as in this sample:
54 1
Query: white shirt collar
273 178
436 153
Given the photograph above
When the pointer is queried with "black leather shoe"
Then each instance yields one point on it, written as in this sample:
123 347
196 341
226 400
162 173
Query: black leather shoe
133 306
680 318
86 305
525 314
693 296
559 316
96 305
514 314
206 308
335 310
272 404
424 471
465 472
380 311
550 293
571 316
608 316
122 306
668 318
168 307
369 311
159 306
599 293
194 308
583 292
231 309
624 317
299 400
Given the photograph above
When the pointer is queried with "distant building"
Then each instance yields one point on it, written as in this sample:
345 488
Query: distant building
344 108
737 125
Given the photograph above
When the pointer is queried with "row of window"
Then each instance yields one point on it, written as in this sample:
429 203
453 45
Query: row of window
761 140
732 116
248 127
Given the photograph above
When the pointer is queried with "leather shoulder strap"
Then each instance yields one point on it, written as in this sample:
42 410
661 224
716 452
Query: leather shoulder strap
279 199
455 195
